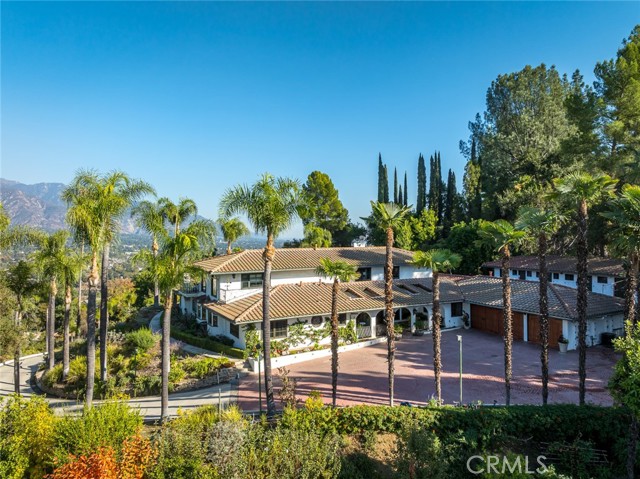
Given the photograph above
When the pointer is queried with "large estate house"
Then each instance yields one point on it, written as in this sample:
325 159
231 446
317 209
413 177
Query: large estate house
606 275
228 298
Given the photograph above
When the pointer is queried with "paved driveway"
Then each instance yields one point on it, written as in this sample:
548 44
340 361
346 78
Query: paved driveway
363 373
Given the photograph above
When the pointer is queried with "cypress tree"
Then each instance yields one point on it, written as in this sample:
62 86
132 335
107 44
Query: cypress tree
404 199
421 201
450 203
396 198
433 186
441 188
380 179
385 185
400 197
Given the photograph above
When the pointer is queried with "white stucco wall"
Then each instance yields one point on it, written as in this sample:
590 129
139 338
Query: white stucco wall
595 328
607 288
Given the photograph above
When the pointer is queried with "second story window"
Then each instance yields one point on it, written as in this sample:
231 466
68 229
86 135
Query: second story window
396 272
603 280
365 274
251 280
568 277
556 275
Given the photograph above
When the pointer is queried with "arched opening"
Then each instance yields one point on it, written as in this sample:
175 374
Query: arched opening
402 316
363 325
381 324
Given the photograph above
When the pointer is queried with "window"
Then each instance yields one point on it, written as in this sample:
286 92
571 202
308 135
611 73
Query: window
603 280
316 320
514 272
365 274
456 310
234 329
537 274
199 314
568 277
529 274
556 275
214 286
342 318
395 272
279 329
212 320
251 280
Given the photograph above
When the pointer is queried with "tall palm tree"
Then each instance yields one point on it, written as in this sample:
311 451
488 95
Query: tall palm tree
339 271
502 237
232 229
116 193
21 280
50 259
174 260
584 190
149 217
177 213
389 216
69 273
624 213
271 206
540 225
437 260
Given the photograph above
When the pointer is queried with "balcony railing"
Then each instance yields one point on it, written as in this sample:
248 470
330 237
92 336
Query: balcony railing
192 288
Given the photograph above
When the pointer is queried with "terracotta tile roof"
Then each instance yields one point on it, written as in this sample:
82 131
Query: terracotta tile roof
309 299
301 258
487 291
564 264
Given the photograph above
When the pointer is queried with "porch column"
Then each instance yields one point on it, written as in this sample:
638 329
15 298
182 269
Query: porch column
525 330
413 321
373 325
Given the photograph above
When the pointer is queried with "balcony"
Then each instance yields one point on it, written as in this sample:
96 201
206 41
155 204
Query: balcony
192 288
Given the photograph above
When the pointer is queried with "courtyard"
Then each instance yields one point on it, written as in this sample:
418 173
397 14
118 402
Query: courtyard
363 373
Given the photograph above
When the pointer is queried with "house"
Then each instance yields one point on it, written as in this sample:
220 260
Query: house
483 298
606 275
229 299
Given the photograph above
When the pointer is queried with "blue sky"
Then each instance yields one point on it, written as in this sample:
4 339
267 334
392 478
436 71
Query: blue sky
196 97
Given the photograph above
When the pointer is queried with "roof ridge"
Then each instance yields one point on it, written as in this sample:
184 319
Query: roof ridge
237 255
562 302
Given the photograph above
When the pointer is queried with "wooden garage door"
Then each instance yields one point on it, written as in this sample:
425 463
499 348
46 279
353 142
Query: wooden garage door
533 330
491 320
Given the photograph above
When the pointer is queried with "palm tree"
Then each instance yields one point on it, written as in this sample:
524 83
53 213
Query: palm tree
232 229
177 213
50 259
149 217
22 282
339 271
583 190
389 216
625 216
174 260
271 206
502 236
540 225
437 260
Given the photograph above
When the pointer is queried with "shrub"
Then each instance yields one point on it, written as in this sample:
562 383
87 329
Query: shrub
77 371
26 437
201 367
53 376
141 340
146 385
106 425
207 343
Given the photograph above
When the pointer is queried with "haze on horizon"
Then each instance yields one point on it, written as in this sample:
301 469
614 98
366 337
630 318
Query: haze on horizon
197 97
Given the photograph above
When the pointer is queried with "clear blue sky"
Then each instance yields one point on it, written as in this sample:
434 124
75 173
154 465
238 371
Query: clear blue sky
196 97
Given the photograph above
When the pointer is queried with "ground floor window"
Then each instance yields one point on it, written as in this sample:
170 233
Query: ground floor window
279 329
234 329
456 310
212 320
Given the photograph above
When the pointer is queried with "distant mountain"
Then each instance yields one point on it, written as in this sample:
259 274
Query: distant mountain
40 206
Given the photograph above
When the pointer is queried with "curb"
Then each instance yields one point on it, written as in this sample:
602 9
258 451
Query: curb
10 361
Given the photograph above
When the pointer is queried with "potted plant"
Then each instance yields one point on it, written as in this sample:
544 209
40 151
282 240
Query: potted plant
563 344
419 328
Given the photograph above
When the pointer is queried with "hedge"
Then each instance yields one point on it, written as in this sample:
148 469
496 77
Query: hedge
207 343
606 427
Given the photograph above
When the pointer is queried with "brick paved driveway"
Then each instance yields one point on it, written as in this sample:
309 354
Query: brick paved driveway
363 373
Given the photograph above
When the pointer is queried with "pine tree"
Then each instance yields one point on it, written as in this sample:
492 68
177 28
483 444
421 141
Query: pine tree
404 199
396 198
421 201
380 179
385 185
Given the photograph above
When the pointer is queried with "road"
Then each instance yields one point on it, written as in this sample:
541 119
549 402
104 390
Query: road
149 406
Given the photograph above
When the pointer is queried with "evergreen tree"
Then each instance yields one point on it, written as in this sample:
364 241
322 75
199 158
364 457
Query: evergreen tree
421 201
385 185
400 196
404 199
441 188
396 198
472 183
451 198
381 176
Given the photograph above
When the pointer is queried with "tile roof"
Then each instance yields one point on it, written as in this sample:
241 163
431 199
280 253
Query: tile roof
487 291
309 299
250 260
564 264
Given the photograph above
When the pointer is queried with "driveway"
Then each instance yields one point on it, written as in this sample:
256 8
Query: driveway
363 373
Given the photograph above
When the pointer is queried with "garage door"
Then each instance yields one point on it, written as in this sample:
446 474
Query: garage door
491 320
533 329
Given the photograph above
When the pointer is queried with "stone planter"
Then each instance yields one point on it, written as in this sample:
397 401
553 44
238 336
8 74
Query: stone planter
563 347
